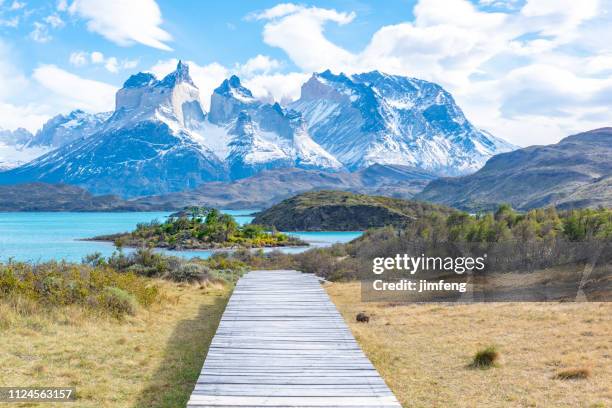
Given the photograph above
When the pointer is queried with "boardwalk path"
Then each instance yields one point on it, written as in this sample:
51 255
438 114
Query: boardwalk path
282 343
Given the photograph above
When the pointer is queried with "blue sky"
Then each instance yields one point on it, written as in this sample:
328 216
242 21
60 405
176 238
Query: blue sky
528 71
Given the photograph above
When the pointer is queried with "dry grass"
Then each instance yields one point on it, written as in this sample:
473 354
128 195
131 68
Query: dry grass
423 351
150 359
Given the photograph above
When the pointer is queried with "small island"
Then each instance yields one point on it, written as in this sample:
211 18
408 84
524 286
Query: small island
345 211
201 228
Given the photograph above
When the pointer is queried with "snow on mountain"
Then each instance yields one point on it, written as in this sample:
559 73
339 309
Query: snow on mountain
260 135
377 118
62 129
159 139
14 149
145 147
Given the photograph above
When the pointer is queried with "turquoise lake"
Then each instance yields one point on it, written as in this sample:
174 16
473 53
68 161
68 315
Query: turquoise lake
47 236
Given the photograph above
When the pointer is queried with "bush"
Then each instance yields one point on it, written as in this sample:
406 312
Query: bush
54 284
189 272
118 302
485 358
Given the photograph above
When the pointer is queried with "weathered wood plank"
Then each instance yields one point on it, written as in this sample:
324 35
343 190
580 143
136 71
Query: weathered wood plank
282 343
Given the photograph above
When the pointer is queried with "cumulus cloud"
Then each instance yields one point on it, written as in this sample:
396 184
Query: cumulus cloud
260 64
299 31
40 33
124 22
111 64
512 68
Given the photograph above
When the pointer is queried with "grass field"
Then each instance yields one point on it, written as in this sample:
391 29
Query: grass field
151 359
424 351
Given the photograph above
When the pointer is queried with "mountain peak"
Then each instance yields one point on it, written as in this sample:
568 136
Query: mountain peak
233 87
181 74
139 80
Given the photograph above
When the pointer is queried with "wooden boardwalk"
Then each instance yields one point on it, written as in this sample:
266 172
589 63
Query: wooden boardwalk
282 343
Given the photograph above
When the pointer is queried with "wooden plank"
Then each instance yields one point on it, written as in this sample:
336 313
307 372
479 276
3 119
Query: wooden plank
282 343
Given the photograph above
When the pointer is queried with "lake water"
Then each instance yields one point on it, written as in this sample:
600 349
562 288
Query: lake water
52 235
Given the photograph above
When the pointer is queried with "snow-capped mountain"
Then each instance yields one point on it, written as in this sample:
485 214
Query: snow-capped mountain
145 147
159 139
15 150
377 118
62 129
261 136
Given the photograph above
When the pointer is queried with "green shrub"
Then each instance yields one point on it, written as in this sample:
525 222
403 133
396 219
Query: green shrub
189 272
485 358
118 302
54 284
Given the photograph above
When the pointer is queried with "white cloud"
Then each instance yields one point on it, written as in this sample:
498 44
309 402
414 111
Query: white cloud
11 22
124 22
54 21
40 33
282 88
75 92
298 30
97 57
16 5
512 71
260 64
78 58
111 64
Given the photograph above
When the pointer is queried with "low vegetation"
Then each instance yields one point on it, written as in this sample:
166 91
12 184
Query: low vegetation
485 358
514 241
150 359
202 229
97 288
127 330
344 211
424 351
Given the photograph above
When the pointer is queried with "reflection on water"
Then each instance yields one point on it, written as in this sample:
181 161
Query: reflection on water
46 236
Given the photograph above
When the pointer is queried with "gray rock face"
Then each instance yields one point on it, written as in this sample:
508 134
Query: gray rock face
377 118
576 172
159 139
144 148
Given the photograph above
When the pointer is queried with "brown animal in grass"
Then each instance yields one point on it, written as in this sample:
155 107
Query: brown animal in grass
363 318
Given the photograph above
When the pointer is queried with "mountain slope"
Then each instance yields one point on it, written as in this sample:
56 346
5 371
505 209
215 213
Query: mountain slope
145 147
271 186
377 118
261 136
342 211
63 129
159 139
576 172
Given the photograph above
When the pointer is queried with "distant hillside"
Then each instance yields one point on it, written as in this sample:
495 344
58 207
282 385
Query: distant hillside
272 186
259 191
343 211
61 197
576 172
